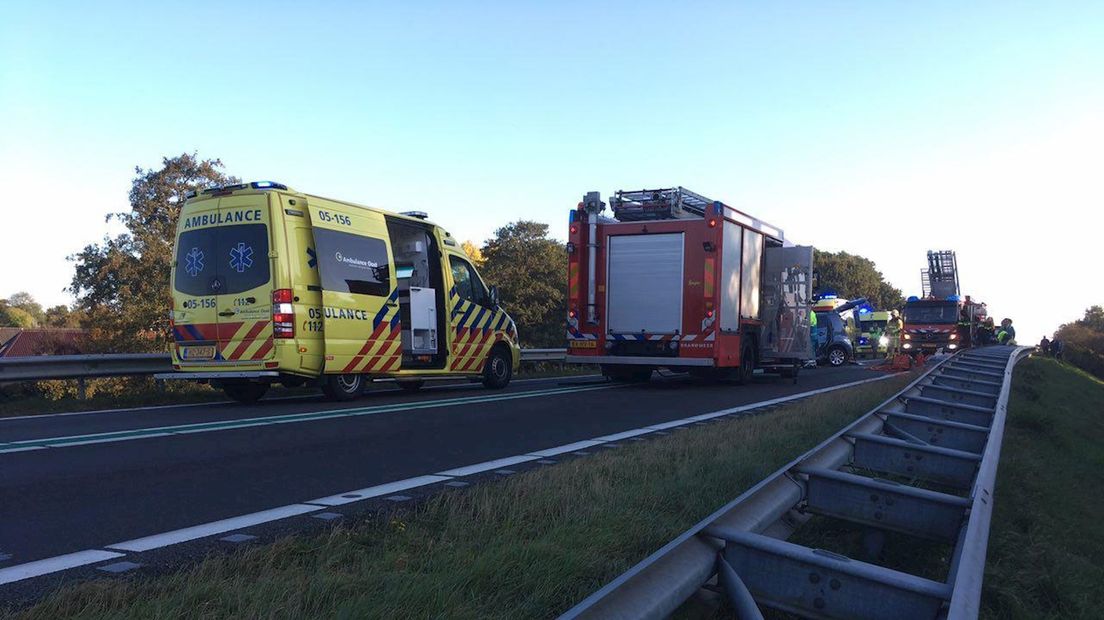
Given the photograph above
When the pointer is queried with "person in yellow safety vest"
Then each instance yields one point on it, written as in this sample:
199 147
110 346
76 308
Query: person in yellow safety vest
1007 333
893 332
813 332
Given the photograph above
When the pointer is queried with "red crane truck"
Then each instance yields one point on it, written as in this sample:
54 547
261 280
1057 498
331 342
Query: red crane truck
676 280
940 318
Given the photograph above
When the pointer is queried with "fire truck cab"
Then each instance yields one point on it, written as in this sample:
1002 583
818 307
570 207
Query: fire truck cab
676 280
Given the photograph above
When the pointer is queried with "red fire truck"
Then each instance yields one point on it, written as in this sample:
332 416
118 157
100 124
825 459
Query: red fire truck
676 280
940 318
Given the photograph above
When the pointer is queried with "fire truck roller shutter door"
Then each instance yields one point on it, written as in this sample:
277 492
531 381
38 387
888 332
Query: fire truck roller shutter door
644 288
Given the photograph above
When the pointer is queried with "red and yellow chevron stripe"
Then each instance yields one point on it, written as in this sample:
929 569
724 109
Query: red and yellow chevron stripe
382 352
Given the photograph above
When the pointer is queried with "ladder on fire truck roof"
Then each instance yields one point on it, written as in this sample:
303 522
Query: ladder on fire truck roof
940 279
658 204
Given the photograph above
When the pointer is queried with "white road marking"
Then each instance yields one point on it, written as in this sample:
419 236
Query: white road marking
215 527
488 465
376 491
624 435
571 447
277 399
54 564
309 416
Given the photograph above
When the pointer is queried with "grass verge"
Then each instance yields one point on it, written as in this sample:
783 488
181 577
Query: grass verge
1046 545
528 546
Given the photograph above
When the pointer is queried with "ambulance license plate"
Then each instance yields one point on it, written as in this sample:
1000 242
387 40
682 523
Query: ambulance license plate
583 344
197 353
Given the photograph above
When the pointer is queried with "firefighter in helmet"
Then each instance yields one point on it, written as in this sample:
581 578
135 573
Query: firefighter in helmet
893 332
1007 333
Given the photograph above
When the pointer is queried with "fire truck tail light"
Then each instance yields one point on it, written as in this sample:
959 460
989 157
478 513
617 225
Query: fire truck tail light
709 314
712 222
954 336
572 314
574 229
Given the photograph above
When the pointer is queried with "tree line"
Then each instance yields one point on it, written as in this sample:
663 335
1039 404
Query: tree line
121 284
1083 341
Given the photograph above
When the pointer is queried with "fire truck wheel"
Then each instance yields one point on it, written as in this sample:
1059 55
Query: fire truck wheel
837 356
342 387
746 368
411 385
247 393
498 370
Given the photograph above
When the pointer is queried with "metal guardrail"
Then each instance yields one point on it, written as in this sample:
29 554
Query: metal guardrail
44 367
923 463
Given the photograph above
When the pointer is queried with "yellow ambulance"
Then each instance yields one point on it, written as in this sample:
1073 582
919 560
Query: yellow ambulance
270 285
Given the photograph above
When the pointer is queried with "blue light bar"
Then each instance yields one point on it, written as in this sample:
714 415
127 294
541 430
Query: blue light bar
267 185
913 298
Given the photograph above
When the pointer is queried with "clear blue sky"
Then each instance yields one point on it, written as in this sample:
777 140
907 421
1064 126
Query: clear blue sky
881 128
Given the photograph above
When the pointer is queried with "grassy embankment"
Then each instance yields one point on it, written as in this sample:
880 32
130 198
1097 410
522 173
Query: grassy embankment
1046 548
527 546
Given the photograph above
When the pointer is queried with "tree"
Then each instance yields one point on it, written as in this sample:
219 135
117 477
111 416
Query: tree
852 276
61 316
11 316
530 271
122 285
474 254
1083 341
25 302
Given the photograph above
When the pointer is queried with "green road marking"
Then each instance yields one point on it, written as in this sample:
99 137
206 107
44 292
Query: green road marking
205 427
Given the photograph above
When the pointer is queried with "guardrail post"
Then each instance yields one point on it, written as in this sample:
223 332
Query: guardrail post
82 391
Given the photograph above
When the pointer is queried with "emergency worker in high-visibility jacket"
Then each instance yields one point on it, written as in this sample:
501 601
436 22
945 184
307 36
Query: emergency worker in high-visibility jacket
814 337
893 332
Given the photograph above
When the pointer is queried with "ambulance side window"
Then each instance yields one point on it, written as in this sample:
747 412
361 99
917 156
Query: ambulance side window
350 263
467 282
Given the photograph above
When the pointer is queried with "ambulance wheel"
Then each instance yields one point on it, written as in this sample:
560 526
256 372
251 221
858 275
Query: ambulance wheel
498 370
411 385
746 369
837 356
245 393
342 387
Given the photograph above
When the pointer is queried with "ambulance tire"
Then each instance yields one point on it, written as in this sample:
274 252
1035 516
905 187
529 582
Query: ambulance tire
342 387
245 392
498 370
411 385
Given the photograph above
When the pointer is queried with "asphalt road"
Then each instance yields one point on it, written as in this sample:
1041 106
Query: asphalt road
94 481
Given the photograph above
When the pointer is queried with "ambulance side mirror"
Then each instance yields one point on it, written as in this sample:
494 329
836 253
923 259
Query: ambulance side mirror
494 296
